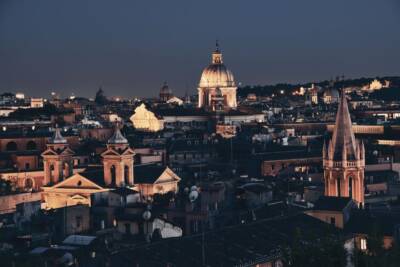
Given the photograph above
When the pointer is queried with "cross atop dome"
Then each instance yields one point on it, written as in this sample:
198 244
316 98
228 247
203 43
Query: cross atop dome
217 46
217 55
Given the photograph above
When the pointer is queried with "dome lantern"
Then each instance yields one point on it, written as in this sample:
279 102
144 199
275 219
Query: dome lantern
117 137
217 55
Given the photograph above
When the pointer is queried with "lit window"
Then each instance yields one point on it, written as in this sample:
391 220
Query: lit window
363 244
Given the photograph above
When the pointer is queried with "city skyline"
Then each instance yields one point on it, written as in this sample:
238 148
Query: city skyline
199 133
130 49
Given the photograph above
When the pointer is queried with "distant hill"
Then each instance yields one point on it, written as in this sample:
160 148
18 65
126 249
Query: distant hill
266 90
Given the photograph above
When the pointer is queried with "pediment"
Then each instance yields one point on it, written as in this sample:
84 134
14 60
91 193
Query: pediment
167 176
67 152
129 151
49 152
110 152
77 181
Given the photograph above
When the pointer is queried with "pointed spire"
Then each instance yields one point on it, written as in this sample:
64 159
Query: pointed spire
117 137
362 150
343 139
344 154
330 150
57 137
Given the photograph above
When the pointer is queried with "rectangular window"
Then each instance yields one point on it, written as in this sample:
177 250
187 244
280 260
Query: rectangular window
363 244
333 220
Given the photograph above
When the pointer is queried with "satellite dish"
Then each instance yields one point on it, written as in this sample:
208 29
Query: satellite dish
146 215
193 196
193 188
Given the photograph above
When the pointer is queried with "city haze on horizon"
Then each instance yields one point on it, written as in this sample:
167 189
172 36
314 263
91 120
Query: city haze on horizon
129 49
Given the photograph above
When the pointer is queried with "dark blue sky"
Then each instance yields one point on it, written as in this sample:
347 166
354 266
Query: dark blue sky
130 47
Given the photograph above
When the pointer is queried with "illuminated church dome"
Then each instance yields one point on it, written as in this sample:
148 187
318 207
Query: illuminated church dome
217 74
217 77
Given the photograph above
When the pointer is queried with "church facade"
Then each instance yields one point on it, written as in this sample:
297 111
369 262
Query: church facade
64 186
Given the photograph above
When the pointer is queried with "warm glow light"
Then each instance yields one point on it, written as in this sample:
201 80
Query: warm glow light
363 244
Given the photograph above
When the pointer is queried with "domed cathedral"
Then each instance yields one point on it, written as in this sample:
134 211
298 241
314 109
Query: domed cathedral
165 93
57 159
344 159
118 161
217 81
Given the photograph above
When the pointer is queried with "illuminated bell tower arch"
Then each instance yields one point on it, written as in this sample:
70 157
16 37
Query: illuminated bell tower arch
344 159
57 159
118 161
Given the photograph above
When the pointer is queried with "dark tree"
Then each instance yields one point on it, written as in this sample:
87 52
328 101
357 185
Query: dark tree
309 249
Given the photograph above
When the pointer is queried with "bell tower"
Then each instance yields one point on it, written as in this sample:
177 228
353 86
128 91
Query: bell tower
57 159
118 161
344 159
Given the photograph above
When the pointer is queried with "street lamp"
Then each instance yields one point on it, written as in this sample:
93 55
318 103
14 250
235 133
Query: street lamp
193 196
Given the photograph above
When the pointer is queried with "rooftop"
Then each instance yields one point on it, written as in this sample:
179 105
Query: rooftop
244 244
332 203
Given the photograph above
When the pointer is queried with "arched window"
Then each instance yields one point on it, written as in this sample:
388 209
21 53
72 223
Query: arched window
66 169
113 176
350 186
11 146
338 187
126 175
52 174
31 145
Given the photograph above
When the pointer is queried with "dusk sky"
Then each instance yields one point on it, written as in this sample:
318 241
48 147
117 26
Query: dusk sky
131 47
